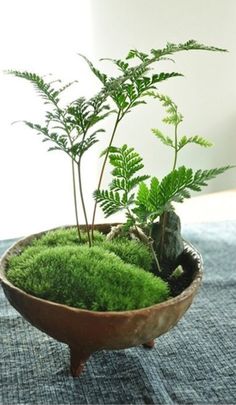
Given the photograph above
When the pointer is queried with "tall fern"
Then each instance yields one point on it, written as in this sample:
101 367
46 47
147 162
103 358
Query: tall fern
68 128
127 90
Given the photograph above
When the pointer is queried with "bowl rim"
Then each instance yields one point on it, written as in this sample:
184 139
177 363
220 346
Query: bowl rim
190 290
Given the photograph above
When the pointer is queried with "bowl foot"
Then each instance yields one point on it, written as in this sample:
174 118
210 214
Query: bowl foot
78 358
150 344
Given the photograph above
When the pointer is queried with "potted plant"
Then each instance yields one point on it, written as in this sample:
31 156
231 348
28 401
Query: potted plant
100 286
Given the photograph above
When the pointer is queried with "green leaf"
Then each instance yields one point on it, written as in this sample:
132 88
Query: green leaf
194 139
143 195
186 46
133 53
177 184
135 181
66 86
174 117
154 192
110 201
166 140
126 162
118 185
122 101
79 148
45 90
138 103
201 177
111 149
101 76
164 76
54 148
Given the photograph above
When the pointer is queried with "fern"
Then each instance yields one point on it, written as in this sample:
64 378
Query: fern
68 128
190 45
174 118
109 201
118 88
101 76
127 89
177 184
198 140
44 89
74 129
175 187
166 140
126 163
154 193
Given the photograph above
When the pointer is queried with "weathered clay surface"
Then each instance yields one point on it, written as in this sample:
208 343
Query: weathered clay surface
86 331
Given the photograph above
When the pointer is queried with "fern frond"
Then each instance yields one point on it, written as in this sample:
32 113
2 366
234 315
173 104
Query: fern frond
201 177
176 185
66 86
135 181
101 76
126 162
110 149
198 140
45 90
166 140
190 45
134 53
174 117
118 185
110 201
142 208
154 192
79 148
143 195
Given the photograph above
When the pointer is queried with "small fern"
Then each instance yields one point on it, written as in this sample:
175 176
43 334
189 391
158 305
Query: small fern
68 128
174 187
174 117
126 163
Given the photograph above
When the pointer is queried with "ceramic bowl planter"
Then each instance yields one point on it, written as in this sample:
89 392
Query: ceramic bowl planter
87 331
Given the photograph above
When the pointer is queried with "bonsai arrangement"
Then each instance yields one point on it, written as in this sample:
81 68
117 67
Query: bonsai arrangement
104 270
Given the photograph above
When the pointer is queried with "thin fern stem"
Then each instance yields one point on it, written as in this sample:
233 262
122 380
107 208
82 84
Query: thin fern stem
176 147
155 256
82 202
73 175
118 118
147 240
75 200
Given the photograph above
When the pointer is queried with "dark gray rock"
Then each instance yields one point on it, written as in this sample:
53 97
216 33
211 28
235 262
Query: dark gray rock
168 242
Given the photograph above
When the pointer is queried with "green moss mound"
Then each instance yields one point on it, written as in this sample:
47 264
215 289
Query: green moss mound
65 236
83 277
130 251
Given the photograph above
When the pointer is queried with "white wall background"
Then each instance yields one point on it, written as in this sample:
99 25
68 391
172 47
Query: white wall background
45 37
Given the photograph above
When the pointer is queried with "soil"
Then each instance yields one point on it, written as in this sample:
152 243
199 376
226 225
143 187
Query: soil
180 283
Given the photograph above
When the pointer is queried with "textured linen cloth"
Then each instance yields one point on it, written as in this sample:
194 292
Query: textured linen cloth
194 363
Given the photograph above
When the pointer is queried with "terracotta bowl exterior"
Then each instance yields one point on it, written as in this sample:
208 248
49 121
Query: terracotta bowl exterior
87 331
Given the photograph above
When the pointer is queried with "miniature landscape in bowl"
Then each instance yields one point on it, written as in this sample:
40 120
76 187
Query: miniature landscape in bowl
111 286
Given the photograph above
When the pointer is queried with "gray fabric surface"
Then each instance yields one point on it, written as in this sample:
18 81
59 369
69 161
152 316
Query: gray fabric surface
192 364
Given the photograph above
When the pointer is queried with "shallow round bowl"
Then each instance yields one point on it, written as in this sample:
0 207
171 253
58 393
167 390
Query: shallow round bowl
87 331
